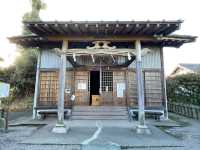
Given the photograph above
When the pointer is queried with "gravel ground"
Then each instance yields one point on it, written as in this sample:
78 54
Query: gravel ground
188 133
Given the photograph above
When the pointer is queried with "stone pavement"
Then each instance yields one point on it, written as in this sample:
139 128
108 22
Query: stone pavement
107 136
99 135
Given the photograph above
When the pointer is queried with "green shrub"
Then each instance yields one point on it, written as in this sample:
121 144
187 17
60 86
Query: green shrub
184 89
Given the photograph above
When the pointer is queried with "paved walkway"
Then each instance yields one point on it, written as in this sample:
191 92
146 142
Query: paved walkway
182 134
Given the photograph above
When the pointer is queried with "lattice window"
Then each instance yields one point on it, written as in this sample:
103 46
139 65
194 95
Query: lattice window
107 81
48 88
153 88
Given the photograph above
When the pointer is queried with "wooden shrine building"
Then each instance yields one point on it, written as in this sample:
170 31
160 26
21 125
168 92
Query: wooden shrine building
97 62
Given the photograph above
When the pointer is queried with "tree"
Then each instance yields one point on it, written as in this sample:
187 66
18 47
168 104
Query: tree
21 75
24 77
34 14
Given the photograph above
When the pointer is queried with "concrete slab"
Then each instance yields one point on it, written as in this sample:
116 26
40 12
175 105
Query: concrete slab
44 136
108 136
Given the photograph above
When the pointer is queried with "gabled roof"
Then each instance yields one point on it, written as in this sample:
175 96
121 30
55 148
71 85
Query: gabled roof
193 67
46 28
154 33
184 68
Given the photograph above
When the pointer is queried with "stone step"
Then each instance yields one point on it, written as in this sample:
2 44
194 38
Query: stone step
99 109
99 117
99 113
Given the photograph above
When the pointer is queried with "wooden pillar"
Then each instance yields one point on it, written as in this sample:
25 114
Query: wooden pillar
36 85
62 72
141 128
164 92
60 126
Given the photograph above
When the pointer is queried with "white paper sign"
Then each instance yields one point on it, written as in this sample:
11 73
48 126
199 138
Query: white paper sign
4 89
120 89
82 86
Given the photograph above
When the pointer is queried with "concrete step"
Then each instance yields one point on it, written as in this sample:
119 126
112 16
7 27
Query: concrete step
99 113
99 117
99 108
103 110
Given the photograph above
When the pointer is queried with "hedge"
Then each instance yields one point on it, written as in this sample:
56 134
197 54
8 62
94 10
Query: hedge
184 89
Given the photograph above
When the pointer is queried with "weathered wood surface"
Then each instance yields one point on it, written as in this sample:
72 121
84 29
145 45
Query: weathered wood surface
152 83
153 89
69 85
48 88
82 95
119 77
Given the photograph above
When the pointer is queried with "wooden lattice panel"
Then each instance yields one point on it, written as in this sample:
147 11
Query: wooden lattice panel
107 88
48 88
153 89
132 88
107 81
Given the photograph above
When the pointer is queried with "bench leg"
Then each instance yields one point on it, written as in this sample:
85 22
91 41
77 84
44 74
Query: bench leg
40 116
162 117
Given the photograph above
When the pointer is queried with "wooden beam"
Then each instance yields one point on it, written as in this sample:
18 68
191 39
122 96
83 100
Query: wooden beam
86 28
161 29
45 27
128 28
142 27
97 28
53 27
171 28
40 29
68 30
106 38
62 30
106 29
77 28
154 28
116 30
148 26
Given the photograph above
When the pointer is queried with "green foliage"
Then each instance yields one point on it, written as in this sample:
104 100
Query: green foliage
184 89
22 74
23 80
33 15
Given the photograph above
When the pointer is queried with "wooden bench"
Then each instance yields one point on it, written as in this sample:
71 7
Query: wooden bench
156 113
43 111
